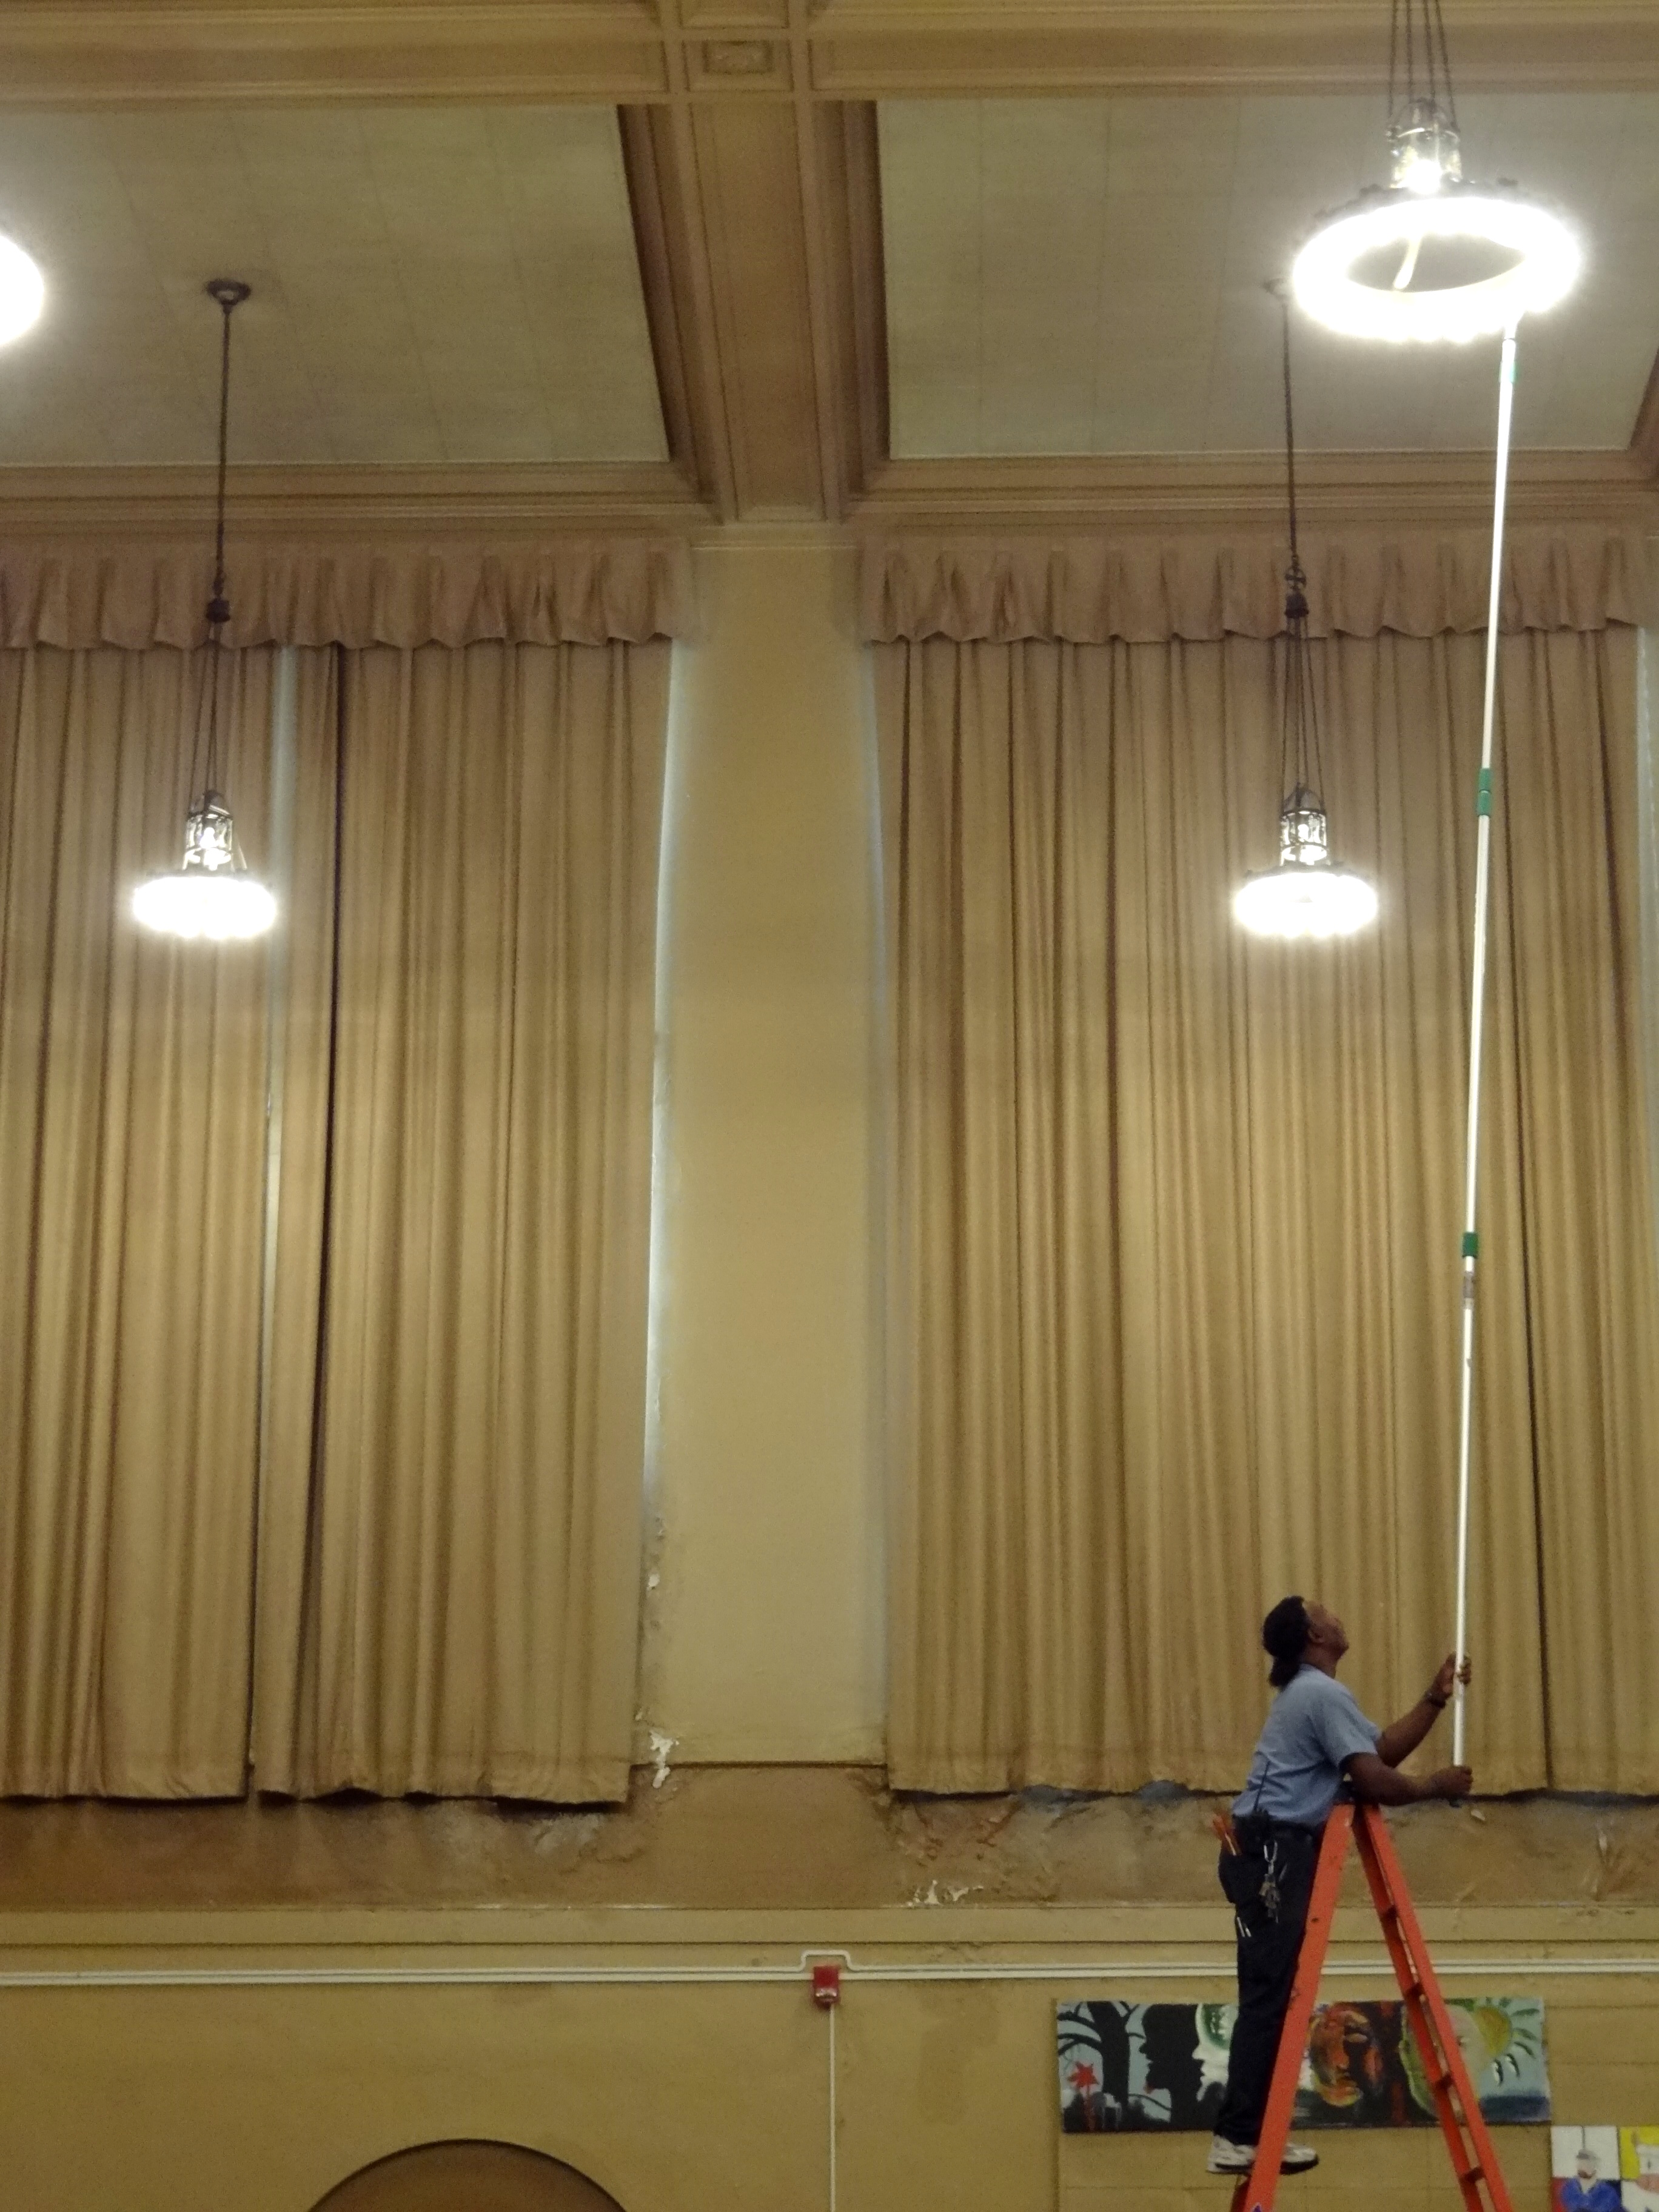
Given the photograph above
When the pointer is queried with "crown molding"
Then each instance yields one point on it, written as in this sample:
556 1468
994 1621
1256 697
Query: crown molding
868 48
135 52
318 502
175 52
1207 491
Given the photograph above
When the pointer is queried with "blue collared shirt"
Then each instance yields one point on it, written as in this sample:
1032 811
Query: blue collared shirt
1313 1725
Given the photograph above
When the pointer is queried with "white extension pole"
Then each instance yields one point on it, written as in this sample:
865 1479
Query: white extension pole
1477 1010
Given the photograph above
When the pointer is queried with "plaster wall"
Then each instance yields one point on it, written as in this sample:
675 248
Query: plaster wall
678 2098
763 1625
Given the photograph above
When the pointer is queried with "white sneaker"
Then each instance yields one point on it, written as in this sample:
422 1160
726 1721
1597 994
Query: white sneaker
1238 2158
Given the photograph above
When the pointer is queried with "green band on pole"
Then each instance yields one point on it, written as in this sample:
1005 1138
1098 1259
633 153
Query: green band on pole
1483 793
1471 1245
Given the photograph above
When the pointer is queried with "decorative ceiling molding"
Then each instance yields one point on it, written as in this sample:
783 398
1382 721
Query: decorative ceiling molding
1212 491
872 49
131 53
463 501
756 194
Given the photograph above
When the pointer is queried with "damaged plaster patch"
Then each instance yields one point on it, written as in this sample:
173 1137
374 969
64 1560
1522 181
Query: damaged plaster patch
661 1745
952 1893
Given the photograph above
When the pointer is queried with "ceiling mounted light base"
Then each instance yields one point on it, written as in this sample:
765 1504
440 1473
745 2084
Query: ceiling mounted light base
1546 262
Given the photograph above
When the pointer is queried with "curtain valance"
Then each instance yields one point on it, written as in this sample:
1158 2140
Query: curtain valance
545 592
1090 591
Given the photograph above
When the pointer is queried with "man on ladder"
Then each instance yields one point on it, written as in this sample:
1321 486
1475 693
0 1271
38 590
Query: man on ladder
1315 1739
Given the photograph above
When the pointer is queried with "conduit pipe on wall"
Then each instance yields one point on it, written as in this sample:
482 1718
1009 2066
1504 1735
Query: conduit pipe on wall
1220 1968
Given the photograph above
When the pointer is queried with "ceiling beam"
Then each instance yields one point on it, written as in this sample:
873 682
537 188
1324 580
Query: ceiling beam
138 52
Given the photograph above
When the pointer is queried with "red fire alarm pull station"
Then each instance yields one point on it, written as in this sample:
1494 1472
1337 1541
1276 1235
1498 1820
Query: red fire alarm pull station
826 1985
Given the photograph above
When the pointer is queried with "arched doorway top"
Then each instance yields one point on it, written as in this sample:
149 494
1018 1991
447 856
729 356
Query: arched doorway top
468 2177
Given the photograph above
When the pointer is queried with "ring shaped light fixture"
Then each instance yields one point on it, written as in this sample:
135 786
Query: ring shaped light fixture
1326 288
23 290
1429 199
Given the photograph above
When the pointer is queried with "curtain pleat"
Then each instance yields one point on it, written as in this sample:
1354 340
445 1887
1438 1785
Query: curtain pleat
1178 1212
132 1076
448 1596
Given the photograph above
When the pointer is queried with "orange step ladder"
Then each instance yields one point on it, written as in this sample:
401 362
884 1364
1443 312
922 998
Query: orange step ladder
1474 2159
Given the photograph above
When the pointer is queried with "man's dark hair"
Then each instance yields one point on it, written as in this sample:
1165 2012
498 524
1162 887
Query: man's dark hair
1284 1636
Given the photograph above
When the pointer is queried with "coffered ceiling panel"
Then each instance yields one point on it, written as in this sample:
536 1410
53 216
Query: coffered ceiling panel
1087 275
430 285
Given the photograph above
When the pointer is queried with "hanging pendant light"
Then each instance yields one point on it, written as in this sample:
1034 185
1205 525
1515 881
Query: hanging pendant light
1428 203
1307 894
211 894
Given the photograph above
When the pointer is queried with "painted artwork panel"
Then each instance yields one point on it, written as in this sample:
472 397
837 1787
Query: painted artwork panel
1584 2169
1137 2067
1638 2169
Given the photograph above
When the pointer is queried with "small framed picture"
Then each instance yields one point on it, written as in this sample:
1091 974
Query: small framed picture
1584 2170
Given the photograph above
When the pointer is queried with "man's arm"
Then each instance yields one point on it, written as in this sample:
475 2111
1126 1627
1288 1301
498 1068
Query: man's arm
1378 1783
1401 1737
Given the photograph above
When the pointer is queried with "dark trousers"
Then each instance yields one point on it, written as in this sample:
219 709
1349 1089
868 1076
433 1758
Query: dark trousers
1268 1882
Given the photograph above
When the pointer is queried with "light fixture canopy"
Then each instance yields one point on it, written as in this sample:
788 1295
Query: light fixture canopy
212 894
1428 201
1307 894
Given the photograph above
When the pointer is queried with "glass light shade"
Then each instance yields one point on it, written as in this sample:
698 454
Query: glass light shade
1326 288
1425 151
1306 900
23 290
212 894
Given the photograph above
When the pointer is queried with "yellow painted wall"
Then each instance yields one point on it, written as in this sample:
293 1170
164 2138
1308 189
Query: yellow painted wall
686 2100
764 1630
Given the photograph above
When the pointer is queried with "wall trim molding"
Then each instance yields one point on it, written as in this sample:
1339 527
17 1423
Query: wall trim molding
266 502
1219 492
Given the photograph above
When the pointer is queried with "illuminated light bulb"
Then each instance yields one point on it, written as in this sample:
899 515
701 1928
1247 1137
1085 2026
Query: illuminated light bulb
1315 902
1548 262
1425 151
1307 895
23 290
212 894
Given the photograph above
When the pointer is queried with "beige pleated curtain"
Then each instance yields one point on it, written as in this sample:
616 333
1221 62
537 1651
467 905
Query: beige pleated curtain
451 1536
411 1561
1176 1212
131 1158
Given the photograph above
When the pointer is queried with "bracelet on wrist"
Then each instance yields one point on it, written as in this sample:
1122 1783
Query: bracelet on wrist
1440 1703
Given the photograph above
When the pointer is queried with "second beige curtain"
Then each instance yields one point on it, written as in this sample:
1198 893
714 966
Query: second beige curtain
1177 1213
450 1527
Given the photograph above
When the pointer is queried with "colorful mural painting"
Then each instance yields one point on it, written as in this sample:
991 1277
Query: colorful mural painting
1155 2066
